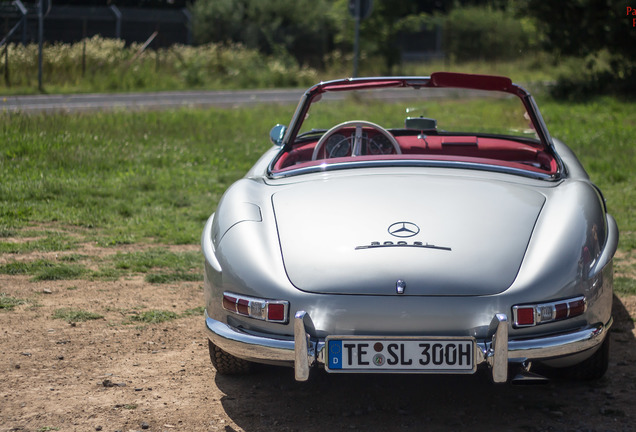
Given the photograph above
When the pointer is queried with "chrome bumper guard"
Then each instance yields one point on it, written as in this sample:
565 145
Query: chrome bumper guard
305 352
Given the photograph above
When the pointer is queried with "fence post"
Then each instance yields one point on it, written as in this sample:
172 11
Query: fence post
40 42
118 15
7 81
84 49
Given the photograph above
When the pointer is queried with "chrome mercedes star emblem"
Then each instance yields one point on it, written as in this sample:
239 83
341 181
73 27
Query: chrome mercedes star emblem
403 229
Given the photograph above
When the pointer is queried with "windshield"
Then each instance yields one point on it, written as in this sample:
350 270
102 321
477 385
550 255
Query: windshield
460 111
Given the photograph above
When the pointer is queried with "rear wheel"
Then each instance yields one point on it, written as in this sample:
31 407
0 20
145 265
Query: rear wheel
227 364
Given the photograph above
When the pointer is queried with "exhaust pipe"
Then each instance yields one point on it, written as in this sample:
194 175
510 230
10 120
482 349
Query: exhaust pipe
527 378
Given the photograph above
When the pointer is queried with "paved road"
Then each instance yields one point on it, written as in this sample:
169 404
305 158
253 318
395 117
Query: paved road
159 100
176 99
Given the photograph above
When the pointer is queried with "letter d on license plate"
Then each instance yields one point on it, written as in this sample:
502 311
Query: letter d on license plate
445 355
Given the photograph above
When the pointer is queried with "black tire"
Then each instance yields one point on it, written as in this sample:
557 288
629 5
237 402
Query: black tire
227 364
594 367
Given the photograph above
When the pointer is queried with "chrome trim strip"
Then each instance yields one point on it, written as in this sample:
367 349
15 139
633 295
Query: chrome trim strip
324 167
493 352
559 345
248 346
611 244
208 246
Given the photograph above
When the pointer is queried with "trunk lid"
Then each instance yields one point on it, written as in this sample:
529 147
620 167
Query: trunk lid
442 236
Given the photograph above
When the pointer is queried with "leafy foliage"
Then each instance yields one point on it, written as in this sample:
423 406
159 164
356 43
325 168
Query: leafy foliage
599 34
380 32
579 27
484 33
298 27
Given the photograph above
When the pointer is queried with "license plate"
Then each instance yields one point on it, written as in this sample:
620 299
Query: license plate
442 355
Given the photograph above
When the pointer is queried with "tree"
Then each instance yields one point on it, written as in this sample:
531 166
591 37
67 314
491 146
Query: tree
380 32
299 27
600 33
579 27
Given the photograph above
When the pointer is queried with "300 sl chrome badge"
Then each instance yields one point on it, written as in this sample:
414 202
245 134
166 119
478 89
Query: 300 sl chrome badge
401 243
403 229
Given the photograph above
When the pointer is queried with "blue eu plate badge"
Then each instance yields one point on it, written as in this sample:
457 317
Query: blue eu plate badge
335 354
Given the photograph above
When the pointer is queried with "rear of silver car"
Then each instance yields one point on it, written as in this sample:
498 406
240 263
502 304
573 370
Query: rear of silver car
497 274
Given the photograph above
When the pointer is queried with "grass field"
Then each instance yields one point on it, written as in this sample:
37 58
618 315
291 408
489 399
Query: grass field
154 178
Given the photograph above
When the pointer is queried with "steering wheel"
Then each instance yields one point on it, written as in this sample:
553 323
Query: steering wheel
357 137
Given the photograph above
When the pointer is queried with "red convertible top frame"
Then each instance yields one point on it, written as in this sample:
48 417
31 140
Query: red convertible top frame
435 80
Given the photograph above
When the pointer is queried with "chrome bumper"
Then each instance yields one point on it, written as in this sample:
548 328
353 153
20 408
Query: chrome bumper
304 352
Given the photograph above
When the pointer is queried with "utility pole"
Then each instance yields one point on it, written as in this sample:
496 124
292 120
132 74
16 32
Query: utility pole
359 10
356 41
40 43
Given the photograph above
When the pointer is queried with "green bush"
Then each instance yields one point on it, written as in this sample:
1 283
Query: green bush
598 73
478 33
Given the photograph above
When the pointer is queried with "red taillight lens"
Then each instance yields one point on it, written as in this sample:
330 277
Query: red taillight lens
261 309
561 311
276 312
530 315
243 307
525 316
577 307
229 302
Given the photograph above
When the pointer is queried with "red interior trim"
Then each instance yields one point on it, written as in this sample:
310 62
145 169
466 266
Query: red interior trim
473 149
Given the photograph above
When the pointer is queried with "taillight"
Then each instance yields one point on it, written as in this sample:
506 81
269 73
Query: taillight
524 316
252 307
531 315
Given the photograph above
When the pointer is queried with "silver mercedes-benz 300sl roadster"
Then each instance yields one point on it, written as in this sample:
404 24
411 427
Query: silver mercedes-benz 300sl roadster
412 225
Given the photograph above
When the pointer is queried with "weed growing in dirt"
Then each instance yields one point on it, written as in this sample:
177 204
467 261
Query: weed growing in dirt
159 316
144 261
74 315
43 270
154 316
176 267
198 311
59 272
164 278
8 303
73 257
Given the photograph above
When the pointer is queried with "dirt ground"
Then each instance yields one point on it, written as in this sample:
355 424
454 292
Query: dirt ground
113 375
